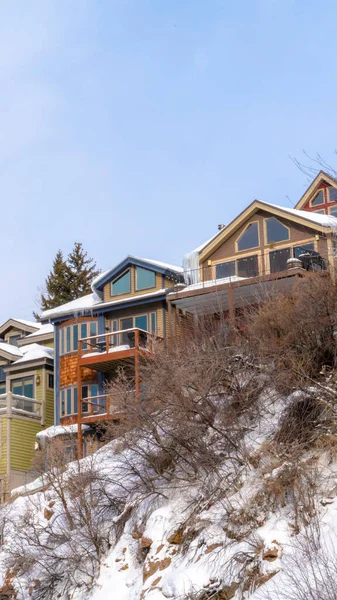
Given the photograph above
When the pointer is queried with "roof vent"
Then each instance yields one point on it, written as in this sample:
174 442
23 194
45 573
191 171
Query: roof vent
221 226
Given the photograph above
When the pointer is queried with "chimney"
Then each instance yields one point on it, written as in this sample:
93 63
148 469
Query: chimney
221 226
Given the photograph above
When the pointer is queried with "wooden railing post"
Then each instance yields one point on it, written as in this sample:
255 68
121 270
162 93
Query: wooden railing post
79 403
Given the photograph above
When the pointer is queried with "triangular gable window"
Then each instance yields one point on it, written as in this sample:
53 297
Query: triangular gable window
122 285
319 199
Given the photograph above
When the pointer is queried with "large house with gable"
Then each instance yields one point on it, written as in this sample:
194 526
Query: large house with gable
26 396
139 302
264 248
123 318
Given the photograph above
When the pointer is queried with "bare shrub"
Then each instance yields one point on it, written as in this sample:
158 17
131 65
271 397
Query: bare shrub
310 570
296 334
56 542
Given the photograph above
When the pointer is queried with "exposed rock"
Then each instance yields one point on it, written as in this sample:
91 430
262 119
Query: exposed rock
271 553
48 513
151 567
146 542
212 547
176 537
124 568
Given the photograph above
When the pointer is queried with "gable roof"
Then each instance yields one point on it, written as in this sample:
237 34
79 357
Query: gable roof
9 352
321 177
22 324
171 271
316 221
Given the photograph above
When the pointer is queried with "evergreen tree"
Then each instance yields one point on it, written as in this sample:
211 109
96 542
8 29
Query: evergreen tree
68 279
58 285
83 270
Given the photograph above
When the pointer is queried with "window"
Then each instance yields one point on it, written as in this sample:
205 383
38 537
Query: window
122 285
333 211
146 322
225 269
319 198
249 238
248 266
319 212
13 339
69 336
278 260
69 399
23 387
276 231
145 279
2 381
298 250
51 381
333 194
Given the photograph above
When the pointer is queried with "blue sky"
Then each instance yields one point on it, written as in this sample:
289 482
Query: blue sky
136 126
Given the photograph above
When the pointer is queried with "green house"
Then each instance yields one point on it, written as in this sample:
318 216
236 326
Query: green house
26 397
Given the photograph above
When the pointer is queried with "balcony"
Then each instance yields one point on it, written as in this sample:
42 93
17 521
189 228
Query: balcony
107 351
13 404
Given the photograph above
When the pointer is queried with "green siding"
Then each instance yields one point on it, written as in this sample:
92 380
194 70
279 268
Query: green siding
23 438
48 343
49 407
3 445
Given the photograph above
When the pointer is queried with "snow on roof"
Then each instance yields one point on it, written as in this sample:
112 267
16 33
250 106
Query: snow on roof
79 306
323 220
10 349
163 265
56 430
29 323
34 352
75 306
44 330
202 246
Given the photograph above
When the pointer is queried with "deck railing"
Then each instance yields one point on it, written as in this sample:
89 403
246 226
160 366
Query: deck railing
258 264
28 406
114 341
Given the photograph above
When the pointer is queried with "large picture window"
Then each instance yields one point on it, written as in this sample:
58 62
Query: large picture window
248 266
278 260
225 269
276 231
122 285
145 279
249 238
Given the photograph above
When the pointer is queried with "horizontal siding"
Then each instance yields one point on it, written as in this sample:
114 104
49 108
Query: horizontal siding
49 407
3 445
23 438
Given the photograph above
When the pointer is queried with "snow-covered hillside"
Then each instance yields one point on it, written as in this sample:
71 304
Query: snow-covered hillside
262 525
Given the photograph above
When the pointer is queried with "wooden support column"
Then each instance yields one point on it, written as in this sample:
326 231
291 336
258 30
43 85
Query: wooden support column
79 403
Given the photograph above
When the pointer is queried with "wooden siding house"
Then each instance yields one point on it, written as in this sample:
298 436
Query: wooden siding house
125 316
26 397
265 247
